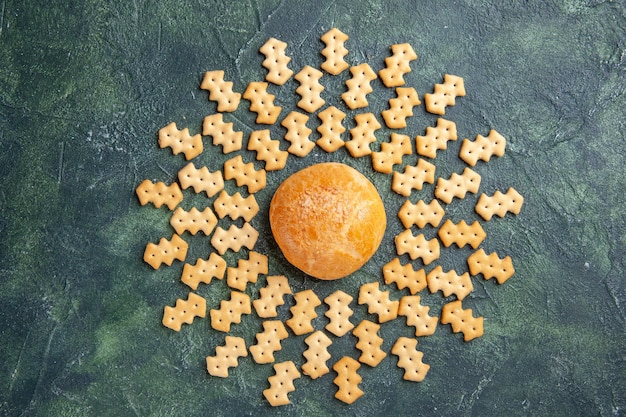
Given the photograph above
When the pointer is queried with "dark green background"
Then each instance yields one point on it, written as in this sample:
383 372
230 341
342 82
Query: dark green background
84 88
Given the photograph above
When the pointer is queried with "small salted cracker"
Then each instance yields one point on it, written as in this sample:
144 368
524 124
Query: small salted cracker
421 214
378 302
180 141
262 103
401 107
234 238
267 150
436 138
276 61
193 221
245 174
268 341
359 86
404 276
449 283
417 315
220 91
397 65
339 313
369 343
331 129
444 94
281 383
461 233
222 133
483 148
499 204
247 270
347 380
230 311
203 271
235 206
413 177
303 312
226 356
165 252
271 296
335 51
362 135
298 134
391 153
410 359
491 266
201 179
462 320
457 185
417 246
159 193
310 89
184 311
316 355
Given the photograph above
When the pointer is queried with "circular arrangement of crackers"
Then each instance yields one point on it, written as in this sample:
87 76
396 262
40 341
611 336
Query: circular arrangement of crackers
275 289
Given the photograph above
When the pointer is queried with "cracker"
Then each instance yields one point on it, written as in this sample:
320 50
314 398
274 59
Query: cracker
404 276
362 134
276 61
417 246
461 233
184 311
347 380
410 359
234 238
165 252
413 177
247 270
193 221
267 150
490 266
462 320
339 313
281 383
449 283
235 206
201 179
397 65
359 86
203 271
444 94
159 193
262 103
310 89
369 343
483 148
316 355
298 134
391 153
245 174
331 129
226 356
417 315
421 214
378 302
335 51
303 312
230 311
180 141
271 296
499 204
401 107
220 91
268 341
436 138
457 185
222 133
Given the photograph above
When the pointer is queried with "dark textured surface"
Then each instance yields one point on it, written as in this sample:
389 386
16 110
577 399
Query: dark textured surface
84 88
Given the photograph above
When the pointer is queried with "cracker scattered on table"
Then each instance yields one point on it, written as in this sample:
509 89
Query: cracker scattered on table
245 174
362 135
499 204
184 311
378 302
347 380
331 129
339 313
410 359
267 150
303 312
397 65
180 141
461 233
298 134
276 61
444 94
203 271
222 133
417 246
462 320
449 283
235 206
436 138
193 221
359 86
230 311
226 356
281 383
268 341
159 193
271 296
165 252
417 315
234 238
220 91
201 179
404 276
310 89
369 343
421 214
391 153
491 266
335 51
413 177
483 148
262 103
247 270
457 185
316 355
401 107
